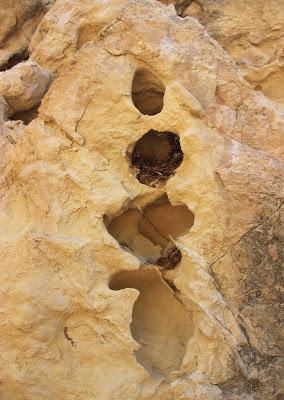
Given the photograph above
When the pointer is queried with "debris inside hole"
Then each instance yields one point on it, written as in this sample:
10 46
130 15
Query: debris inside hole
14 60
150 233
26 116
147 92
155 157
160 322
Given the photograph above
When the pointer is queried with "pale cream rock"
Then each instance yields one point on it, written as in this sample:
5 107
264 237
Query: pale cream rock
67 26
24 85
78 320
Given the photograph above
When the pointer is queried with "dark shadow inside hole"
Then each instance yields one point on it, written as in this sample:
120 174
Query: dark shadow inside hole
155 157
26 116
147 92
150 233
160 322
181 6
14 60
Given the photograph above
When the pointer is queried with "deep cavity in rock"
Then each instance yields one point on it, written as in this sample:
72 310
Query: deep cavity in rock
160 322
147 92
149 233
155 157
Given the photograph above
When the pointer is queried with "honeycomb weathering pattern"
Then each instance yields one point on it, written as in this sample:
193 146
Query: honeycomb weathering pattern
151 233
65 333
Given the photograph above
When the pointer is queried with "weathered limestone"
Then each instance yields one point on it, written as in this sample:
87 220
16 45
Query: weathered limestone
23 86
87 312
252 33
67 27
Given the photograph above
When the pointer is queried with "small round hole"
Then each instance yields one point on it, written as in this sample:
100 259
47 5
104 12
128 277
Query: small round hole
147 92
155 157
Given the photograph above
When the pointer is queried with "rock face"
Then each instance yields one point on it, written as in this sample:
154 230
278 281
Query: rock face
141 232
19 20
251 32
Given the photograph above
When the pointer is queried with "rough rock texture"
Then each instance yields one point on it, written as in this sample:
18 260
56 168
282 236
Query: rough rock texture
23 86
252 32
19 20
87 312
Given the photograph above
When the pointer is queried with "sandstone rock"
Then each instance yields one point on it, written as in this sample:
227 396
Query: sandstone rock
87 311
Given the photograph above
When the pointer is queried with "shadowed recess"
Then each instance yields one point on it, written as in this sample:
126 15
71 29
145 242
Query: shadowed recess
14 60
27 116
147 92
149 233
160 322
155 157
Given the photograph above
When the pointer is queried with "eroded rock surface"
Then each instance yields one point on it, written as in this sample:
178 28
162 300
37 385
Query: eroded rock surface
115 287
